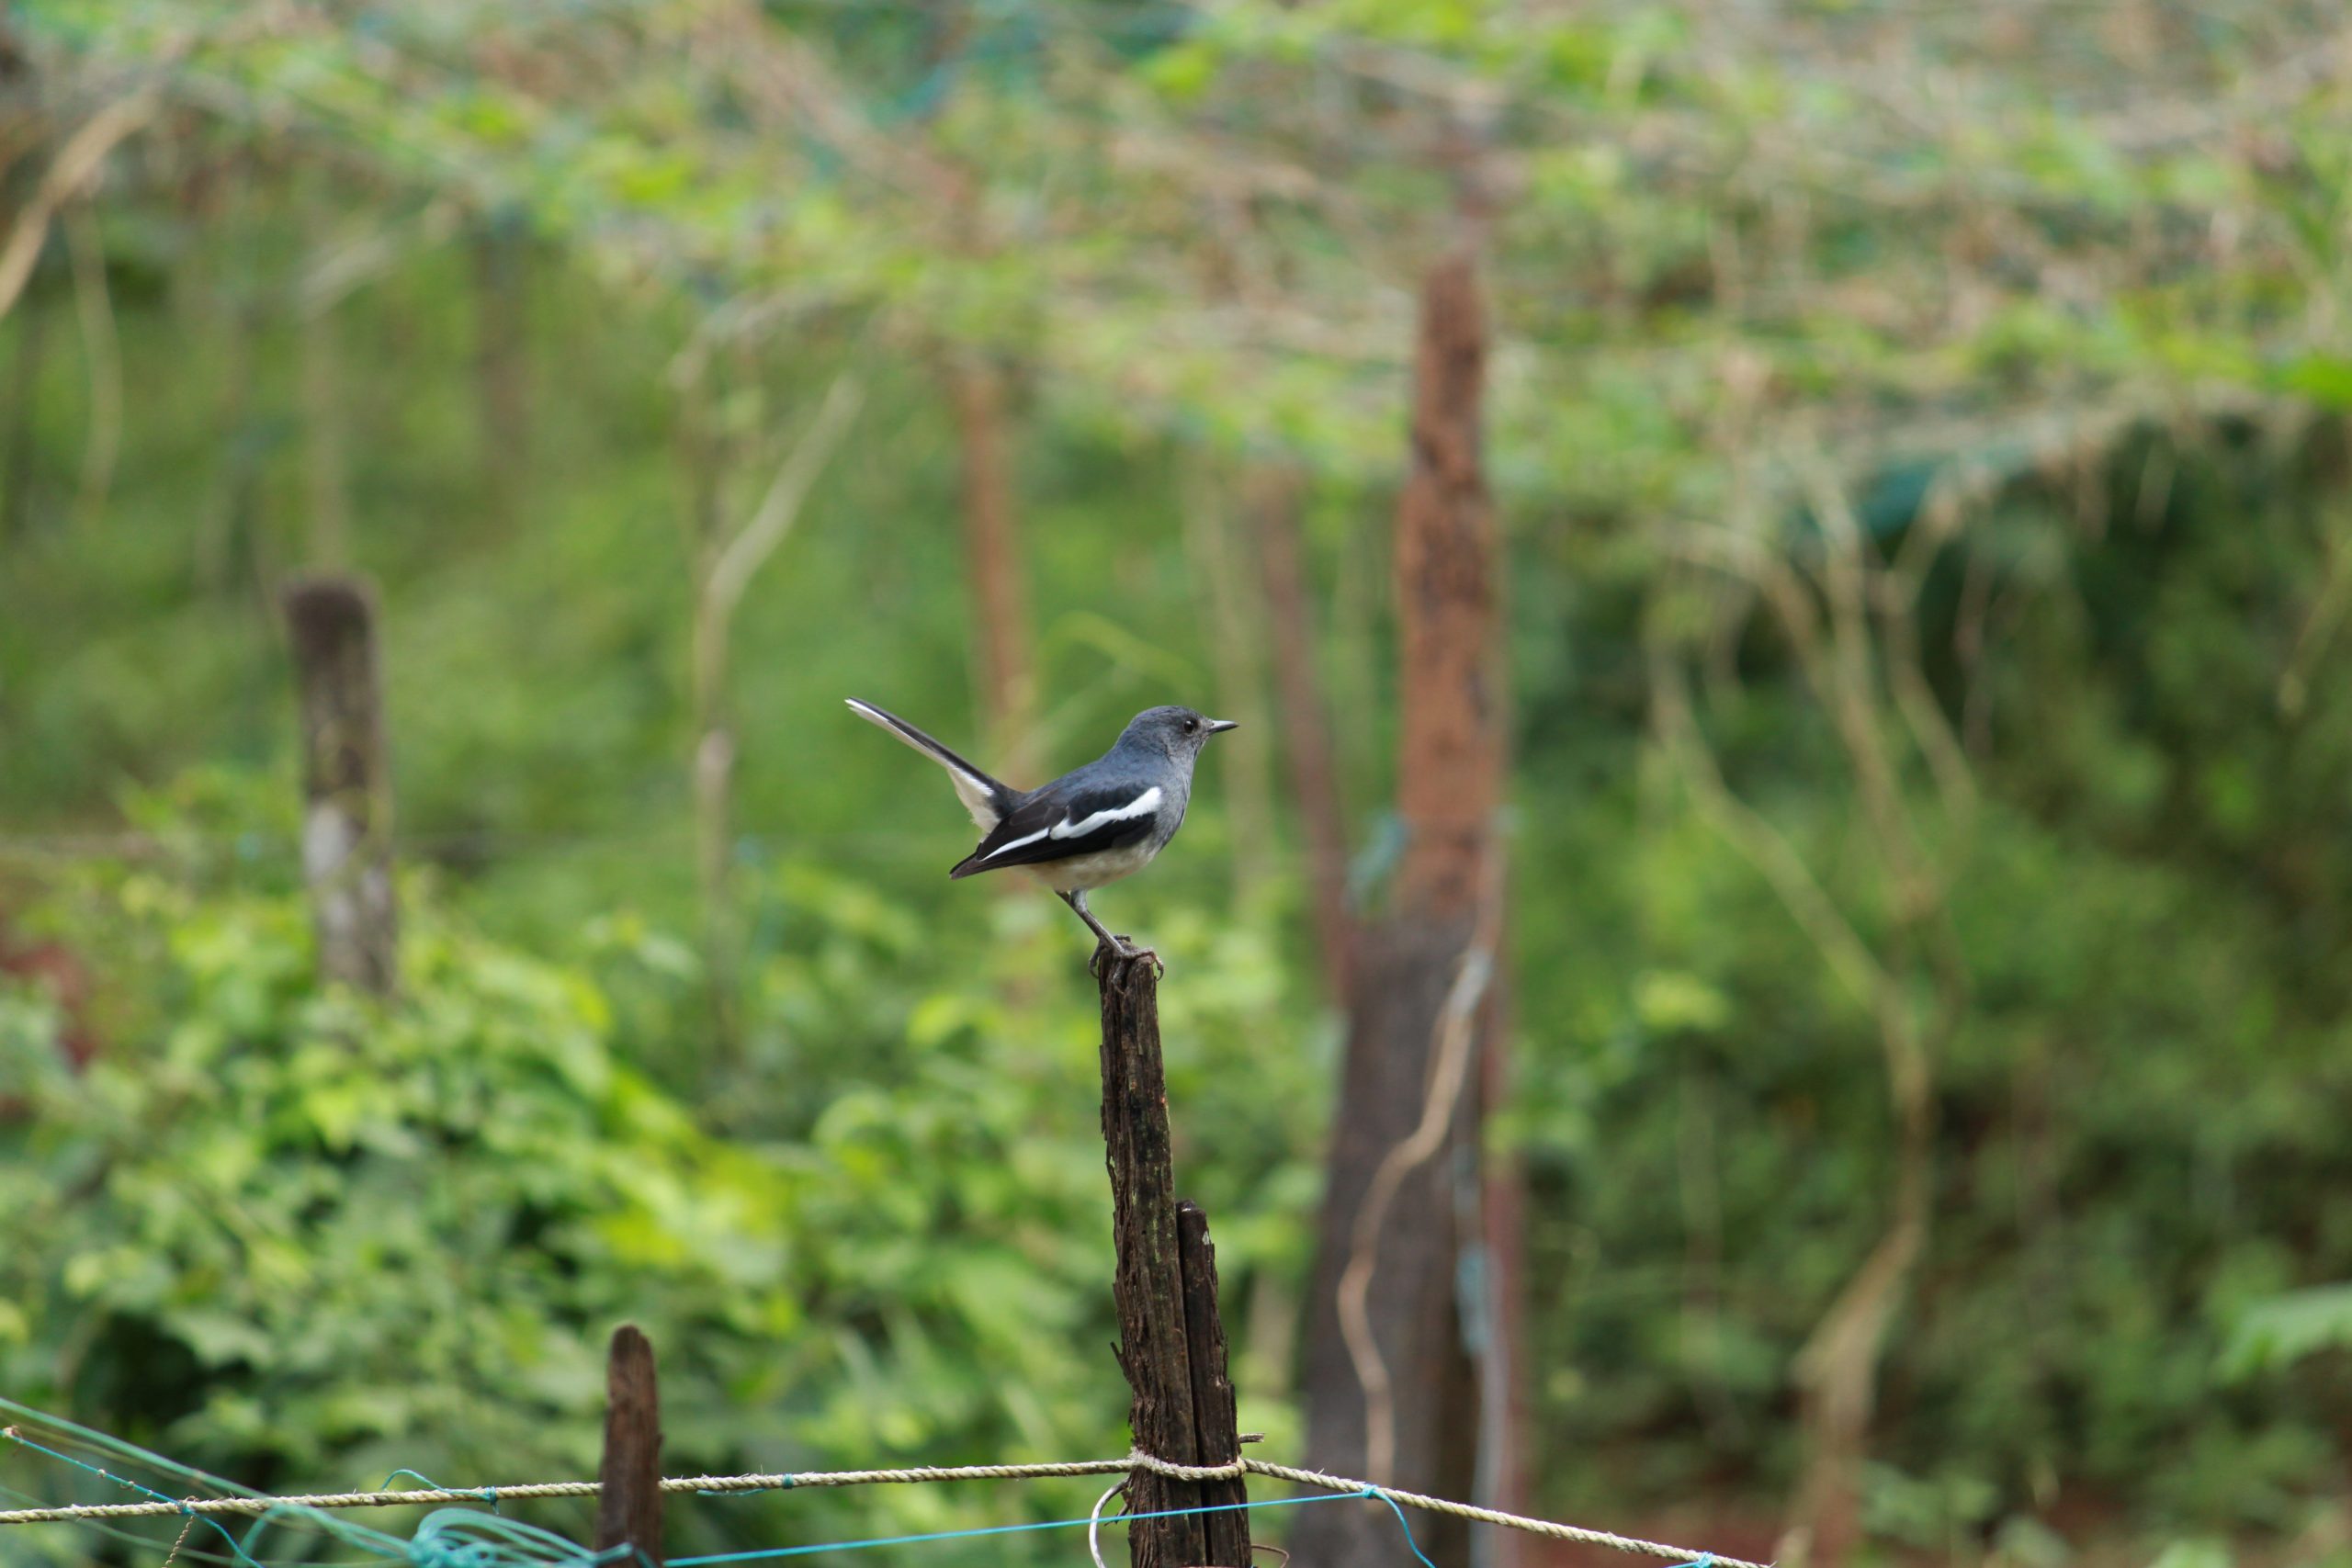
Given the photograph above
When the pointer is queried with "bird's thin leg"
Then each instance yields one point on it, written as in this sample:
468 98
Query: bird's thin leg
1077 900
1118 946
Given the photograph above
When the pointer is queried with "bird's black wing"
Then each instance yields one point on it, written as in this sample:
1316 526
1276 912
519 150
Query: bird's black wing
1066 821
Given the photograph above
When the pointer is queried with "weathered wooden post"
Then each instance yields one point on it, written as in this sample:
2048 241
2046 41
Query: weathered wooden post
628 1508
1172 1344
346 779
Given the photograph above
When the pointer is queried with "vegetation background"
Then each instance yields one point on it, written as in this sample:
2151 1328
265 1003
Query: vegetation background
1917 441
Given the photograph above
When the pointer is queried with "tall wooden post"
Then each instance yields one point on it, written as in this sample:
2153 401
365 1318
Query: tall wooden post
628 1508
1172 1344
346 780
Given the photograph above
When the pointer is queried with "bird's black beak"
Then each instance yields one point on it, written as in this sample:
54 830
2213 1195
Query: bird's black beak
1219 725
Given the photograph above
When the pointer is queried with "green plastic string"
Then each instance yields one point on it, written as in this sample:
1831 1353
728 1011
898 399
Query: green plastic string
460 1537
194 1481
464 1538
771 1552
235 1546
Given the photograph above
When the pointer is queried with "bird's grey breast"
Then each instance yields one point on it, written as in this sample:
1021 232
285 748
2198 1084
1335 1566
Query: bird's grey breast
1175 795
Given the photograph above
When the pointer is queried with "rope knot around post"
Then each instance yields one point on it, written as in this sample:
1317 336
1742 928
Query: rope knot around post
1138 1460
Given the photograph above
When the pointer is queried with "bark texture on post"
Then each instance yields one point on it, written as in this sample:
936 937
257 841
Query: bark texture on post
1216 1416
628 1508
1171 1344
1392 1392
346 780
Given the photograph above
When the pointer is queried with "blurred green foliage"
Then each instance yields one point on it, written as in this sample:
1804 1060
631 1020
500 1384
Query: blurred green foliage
2138 1118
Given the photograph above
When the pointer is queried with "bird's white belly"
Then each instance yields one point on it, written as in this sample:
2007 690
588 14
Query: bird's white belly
1081 872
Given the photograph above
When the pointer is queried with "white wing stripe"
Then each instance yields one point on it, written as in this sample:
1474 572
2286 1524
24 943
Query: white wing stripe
1008 848
1143 805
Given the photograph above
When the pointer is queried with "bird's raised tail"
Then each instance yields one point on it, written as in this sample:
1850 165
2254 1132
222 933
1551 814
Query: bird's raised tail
988 801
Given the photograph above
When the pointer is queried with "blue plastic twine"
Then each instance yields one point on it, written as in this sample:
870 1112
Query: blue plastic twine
235 1546
776 1551
460 1537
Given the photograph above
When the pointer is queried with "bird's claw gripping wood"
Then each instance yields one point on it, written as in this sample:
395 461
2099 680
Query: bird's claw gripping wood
1119 949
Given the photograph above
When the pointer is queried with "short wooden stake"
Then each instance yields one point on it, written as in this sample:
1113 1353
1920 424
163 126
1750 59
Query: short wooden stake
1172 1344
1215 1416
628 1508
346 780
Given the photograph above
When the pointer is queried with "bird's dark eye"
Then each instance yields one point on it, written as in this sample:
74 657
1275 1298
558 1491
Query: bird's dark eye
1190 724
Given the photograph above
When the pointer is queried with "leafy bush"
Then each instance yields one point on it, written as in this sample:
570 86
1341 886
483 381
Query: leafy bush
270 1224
301 1236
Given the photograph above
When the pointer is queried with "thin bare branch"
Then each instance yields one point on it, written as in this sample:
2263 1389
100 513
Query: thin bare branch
75 163
779 509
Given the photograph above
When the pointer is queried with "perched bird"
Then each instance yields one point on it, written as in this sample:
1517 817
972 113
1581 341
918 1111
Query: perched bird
1101 822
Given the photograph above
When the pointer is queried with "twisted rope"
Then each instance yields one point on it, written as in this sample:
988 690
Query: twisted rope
1556 1530
248 1508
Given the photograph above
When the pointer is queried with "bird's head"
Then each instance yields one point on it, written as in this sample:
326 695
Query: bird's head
1178 733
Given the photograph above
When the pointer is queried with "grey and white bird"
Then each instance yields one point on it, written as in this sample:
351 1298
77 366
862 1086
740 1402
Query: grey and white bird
1093 825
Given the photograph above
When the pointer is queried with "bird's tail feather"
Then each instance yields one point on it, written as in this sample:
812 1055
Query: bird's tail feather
986 799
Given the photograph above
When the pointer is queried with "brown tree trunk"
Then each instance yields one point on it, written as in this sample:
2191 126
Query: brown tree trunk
992 546
1504 1411
1272 501
1450 772
1392 1395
